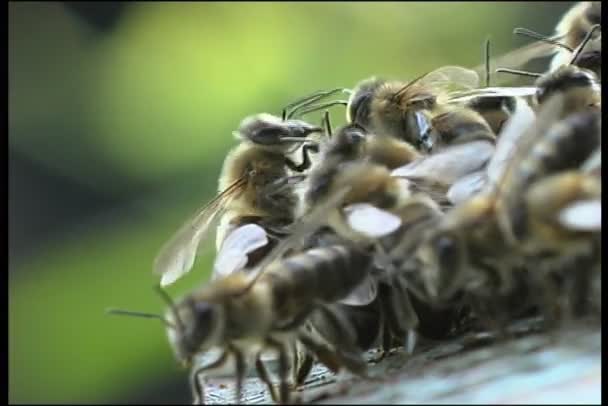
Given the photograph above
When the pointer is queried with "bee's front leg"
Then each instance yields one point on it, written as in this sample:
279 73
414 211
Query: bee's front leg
198 389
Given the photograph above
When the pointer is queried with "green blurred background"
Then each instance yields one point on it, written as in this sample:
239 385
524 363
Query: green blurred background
119 117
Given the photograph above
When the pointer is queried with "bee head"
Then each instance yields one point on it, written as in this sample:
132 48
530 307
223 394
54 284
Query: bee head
359 105
268 130
196 327
565 78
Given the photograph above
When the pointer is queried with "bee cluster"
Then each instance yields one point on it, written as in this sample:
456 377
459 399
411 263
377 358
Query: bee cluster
441 206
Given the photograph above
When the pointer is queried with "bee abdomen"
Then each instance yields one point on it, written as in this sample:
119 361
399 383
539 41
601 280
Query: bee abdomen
322 274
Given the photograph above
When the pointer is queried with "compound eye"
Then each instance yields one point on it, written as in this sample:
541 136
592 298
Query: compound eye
358 111
268 136
204 313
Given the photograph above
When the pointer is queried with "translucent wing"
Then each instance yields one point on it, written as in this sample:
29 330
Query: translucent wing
468 95
177 256
371 221
520 56
363 294
584 215
451 76
450 164
521 119
466 187
241 241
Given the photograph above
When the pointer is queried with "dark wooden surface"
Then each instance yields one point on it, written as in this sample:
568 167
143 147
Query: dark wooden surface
560 367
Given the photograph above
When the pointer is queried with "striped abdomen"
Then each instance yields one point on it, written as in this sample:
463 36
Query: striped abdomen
324 274
566 146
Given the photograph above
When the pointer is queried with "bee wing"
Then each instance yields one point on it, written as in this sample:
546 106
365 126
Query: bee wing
466 187
450 76
520 56
370 220
516 125
241 241
448 165
583 215
468 95
363 294
177 256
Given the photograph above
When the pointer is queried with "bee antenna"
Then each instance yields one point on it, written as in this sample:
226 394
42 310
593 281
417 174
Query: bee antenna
397 96
518 72
307 101
533 34
583 43
487 56
122 312
327 123
165 296
316 107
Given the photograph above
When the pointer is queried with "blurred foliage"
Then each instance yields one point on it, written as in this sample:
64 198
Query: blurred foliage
150 105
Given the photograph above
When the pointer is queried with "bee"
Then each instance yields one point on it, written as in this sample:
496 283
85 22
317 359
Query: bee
230 314
255 187
570 32
492 236
417 111
573 27
466 251
579 85
244 318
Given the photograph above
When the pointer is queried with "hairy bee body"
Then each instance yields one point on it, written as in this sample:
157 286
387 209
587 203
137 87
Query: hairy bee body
572 28
324 274
579 86
494 110
405 110
566 145
453 124
244 319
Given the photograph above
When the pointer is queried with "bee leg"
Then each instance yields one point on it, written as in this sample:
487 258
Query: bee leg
405 317
343 330
325 122
283 369
198 389
263 373
304 369
326 356
240 372
335 359
306 149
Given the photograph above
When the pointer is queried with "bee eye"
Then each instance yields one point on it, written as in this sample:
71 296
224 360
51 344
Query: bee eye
204 313
267 136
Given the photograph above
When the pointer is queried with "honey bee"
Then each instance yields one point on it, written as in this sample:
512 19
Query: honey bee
458 253
579 85
242 318
245 319
417 112
570 32
467 250
255 187
573 28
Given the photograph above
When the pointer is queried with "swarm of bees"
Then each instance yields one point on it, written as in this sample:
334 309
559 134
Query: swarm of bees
441 206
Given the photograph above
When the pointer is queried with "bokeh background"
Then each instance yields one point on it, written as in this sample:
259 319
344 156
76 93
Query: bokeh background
119 117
